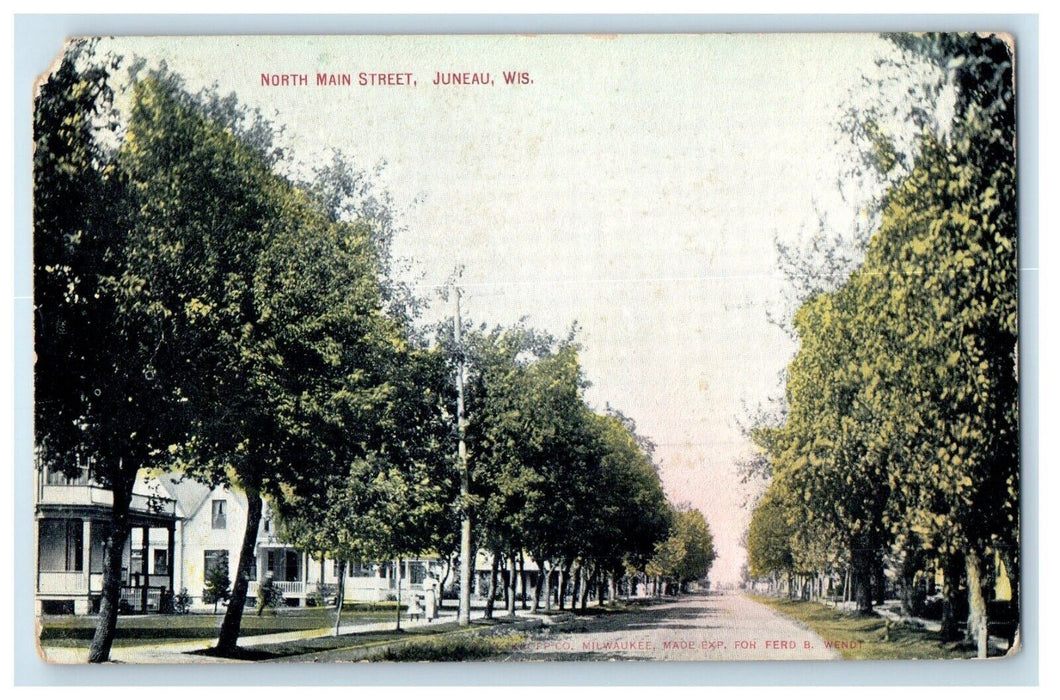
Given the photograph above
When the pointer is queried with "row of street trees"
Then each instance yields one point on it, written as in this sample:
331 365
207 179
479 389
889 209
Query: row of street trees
900 446
196 310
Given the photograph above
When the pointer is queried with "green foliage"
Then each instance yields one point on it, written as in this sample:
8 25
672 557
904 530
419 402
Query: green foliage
198 311
270 596
902 429
182 602
217 586
454 648
628 513
770 538
688 553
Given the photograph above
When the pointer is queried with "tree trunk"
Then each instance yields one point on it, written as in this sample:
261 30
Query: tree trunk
977 615
493 587
229 636
508 584
397 616
583 603
539 584
441 583
576 586
511 582
561 585
548 585
879 581
951 580
522 581
341 593
107 623
863 566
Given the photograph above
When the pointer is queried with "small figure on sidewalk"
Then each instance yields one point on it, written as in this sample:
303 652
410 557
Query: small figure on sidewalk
430 595
415 607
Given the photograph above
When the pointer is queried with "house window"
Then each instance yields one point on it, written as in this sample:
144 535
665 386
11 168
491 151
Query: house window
284 564
214 559
56 476
293 570
161 562
61 545
219 519
136 562
252 572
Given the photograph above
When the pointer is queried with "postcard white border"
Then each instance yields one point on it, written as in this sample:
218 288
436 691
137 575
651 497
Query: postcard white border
38 38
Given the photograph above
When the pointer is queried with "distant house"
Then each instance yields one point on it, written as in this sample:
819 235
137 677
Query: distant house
181 530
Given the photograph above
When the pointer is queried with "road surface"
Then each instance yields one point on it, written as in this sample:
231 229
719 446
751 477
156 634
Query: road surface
715 627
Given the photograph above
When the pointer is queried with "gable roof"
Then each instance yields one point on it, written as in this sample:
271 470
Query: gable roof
188 493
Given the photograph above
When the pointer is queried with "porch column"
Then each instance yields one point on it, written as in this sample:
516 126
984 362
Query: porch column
86 553
305 578
171 532
145 550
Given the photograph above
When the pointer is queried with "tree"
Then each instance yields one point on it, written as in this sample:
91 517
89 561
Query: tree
277 307
770 538
102 344
903 421
626 512
386 490
217 587
687 555
941 290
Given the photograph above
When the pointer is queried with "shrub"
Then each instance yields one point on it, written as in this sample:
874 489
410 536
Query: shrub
454 648
218 586
270 595
182 602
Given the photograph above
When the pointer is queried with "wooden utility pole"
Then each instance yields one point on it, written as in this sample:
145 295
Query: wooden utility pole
466 556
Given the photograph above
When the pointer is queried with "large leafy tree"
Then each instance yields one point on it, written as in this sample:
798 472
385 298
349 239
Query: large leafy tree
688 553
384 487
103 345
770 537
946 301
626 514
904 393
276 304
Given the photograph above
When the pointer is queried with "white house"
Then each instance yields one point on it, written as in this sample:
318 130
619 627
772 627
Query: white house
181 529
72 517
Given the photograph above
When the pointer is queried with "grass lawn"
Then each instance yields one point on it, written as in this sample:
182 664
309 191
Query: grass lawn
867 637
77 630
445 641
454 648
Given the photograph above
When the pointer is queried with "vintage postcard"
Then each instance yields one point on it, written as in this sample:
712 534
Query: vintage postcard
526 348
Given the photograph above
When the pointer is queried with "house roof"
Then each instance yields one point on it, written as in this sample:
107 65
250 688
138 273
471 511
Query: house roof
188 493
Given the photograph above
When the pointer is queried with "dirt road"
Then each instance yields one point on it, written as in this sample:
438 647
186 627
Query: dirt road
717 626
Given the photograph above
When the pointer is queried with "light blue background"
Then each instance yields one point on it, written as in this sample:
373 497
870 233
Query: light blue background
38 40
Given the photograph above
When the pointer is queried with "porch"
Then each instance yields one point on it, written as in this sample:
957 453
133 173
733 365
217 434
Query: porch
73 521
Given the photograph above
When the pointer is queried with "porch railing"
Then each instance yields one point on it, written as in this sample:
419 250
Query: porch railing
132 599
62 582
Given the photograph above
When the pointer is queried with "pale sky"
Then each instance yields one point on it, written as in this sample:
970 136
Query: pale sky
636 187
